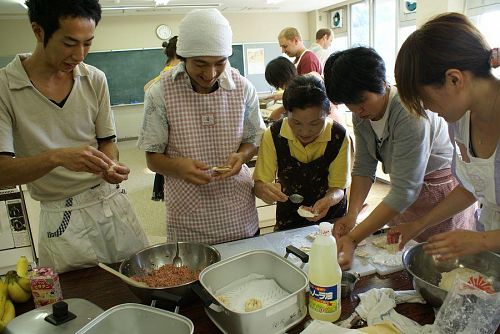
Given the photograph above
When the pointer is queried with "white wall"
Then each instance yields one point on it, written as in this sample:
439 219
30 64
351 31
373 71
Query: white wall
427 9
138 31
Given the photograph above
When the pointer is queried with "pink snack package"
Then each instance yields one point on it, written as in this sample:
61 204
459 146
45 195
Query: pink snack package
45 286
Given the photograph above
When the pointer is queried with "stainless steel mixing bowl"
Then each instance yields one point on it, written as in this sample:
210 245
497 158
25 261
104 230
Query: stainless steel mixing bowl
196 256
426 274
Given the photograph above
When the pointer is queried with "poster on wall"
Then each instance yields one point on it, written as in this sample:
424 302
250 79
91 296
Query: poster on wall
255 61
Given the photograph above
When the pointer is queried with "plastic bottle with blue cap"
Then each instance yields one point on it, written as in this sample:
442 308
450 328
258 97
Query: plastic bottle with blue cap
325 276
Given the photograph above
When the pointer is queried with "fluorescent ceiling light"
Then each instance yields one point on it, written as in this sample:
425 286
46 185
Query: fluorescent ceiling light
161 2
171 6
21 2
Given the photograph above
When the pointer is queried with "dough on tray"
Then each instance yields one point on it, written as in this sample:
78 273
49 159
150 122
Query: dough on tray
381 242
224 300
253 304
361 252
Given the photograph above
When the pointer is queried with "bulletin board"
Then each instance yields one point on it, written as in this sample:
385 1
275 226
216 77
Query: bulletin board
271 50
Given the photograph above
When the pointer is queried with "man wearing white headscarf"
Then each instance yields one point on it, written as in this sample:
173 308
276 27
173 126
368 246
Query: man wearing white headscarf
203 114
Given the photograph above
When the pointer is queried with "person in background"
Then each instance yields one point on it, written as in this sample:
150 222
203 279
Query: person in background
308 154
57 135
204 114
324 39
291 43
170 50
446 67
279 73
415 152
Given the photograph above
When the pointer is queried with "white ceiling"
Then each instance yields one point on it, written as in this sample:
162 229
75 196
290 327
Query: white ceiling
13 8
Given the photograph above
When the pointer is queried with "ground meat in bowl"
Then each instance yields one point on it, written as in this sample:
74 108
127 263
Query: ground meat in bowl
167 276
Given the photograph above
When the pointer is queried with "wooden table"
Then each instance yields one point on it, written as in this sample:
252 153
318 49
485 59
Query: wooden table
106 290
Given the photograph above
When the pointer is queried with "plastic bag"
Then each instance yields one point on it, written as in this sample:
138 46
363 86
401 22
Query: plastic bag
468 310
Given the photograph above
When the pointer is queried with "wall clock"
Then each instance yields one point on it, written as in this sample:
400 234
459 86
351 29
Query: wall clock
163 32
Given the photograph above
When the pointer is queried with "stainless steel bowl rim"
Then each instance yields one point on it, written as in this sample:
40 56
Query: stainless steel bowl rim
424 282
163 244
407 267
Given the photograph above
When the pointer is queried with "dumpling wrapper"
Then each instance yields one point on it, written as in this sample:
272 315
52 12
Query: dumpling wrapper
224 300
221 169
381 242
111 167
253 304
305 213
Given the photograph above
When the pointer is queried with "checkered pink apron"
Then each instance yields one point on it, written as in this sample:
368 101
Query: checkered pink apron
437 185
207 127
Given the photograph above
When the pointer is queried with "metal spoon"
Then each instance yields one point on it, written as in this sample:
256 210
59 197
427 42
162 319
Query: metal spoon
177 261
296 198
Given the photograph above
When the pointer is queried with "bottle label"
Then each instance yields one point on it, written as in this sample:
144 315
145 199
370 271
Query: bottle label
323 299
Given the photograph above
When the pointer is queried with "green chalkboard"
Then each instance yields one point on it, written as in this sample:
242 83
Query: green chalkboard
236 59
128 71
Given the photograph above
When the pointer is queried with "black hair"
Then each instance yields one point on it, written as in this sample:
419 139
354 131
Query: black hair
280 71
48 13
351 72
306 91
170 48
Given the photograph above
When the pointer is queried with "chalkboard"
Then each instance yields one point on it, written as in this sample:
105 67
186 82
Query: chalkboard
5 60
128 71
236 60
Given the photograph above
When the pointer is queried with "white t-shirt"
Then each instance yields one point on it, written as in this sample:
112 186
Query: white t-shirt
379 126
30 123
321 53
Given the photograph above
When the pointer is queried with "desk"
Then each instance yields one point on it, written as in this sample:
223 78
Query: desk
106 290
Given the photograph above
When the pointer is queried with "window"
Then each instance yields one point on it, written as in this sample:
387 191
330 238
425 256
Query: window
360 24
339 43
385 34
486 20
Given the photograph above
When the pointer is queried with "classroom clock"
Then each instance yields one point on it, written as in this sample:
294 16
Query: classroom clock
163 31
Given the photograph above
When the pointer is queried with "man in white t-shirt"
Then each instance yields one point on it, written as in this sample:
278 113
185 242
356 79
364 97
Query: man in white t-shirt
324 39
57 135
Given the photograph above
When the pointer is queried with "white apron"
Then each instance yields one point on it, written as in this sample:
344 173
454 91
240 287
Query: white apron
208 128
98 225
479 176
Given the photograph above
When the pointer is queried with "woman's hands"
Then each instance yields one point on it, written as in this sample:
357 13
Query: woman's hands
345 251
269 192
452 244
404 233
343 225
